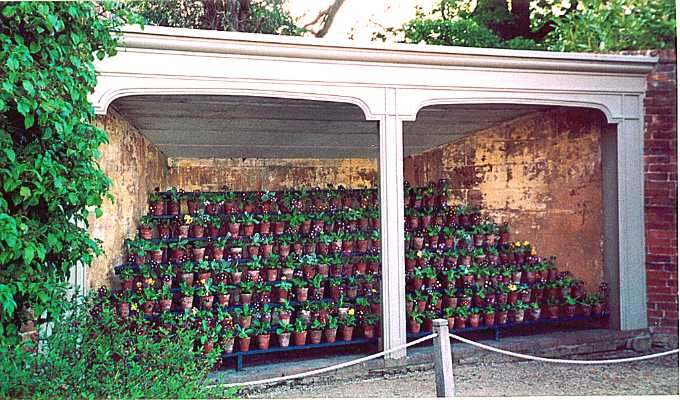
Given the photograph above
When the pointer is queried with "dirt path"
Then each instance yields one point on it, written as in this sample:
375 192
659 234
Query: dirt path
659 376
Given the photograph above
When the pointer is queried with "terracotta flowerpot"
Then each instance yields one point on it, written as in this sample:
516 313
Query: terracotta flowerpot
413 326
474 320
262 341
421 305
165 305
518 316
598 308
236 277
586 310
173 207
198 254
301 293
512 297
330 334
346 332
569 310
183 231
369 331
146 232
124 309
460 323
409 307
207 302
244 298
501 317
284 339
233 228
197 231
223 299
157 208
187 302
281 294
489 318
535 313
147 307
228 345
244 344
553 312
127 285
427 325
299 338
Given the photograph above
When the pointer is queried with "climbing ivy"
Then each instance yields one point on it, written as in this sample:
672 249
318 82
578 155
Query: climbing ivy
49 177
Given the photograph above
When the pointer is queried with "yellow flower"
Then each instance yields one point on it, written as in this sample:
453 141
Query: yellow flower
373 290
517 244
512 287
139 284
133 307
419 253
194 310
187 219
533 251
150 281
526 242
350 311
202 281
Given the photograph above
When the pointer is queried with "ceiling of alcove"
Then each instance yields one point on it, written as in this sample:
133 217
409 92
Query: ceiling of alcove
198 126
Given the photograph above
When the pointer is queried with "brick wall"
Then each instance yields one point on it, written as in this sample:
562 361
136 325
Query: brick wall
661 193
270 174
541 173
135 167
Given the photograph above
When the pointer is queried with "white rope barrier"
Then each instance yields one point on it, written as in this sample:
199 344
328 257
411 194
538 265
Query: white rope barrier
327 369
562 361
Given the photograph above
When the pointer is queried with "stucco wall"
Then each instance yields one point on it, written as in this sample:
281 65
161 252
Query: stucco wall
271 174
541 173
135 167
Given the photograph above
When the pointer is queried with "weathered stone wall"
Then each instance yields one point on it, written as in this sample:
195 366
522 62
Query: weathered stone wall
270 174
541 173
135 167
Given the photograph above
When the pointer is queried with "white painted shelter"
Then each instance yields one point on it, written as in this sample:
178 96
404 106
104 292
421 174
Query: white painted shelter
353 100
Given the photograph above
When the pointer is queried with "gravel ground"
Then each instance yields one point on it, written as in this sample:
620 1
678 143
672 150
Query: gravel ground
653 377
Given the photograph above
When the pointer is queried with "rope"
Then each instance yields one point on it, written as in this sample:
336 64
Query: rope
561 361
330 368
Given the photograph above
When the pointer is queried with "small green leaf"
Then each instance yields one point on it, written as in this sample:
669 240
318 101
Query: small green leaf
29 254
28 87
25 192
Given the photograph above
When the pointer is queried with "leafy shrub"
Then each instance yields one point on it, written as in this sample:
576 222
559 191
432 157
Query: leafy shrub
50 179
91 353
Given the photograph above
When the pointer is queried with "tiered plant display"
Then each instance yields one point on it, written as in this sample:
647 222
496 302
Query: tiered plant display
258 270
463 267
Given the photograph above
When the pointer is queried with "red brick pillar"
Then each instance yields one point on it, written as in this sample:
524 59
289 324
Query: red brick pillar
661 193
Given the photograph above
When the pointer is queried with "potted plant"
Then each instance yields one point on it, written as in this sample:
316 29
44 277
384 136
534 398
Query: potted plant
534 311
347 324
227 340
187 294
415 319
244 335
370 321
301 289
234 225
205 292
285 311
489 314
518 310
246 293
222 290
569 306
261 331
315 331
244 315
127 276
165 299
123 300
174 197
473 317
178 250
156 203
331 329
283 332
502 313
553 308
299 333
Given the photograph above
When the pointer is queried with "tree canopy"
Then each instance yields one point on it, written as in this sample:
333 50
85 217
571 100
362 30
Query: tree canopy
566 25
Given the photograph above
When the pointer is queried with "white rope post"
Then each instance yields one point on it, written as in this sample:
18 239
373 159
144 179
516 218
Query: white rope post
443 363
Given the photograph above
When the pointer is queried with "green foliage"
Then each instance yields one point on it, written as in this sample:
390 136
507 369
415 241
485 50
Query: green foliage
93 354
50 179
615 25
258 16
583 25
